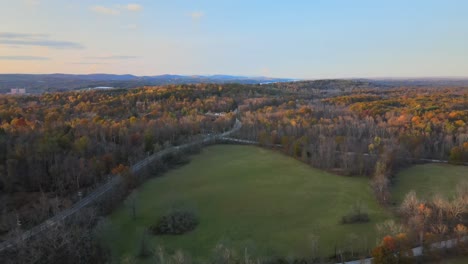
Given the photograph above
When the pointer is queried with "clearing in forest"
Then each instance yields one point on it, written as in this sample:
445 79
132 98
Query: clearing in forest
250 197
429 179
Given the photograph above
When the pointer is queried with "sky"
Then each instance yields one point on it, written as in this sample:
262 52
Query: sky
307 39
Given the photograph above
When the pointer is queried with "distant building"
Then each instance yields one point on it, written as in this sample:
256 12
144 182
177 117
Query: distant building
18 91
209 113
103 88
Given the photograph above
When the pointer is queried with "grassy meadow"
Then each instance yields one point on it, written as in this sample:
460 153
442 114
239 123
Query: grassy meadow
455 260
249 197
429 179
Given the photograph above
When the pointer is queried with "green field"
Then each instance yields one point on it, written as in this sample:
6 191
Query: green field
456 260
251 197
429 179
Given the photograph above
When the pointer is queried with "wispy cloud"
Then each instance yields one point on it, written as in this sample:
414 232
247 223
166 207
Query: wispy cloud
24 58
88 63
116 9
197 15
112 58
11 35
133 7
105 10
43 43
41 40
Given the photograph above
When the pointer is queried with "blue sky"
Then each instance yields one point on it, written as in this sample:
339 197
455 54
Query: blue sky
300 39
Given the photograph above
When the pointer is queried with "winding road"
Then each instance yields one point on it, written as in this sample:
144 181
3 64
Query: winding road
115 180
108 186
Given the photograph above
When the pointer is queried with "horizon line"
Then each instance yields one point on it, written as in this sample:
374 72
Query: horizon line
251 76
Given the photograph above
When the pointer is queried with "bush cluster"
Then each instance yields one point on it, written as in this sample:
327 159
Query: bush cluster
357 214
355 218
175 222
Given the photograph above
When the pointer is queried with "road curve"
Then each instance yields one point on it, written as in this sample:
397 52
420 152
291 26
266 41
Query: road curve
114 180
108 186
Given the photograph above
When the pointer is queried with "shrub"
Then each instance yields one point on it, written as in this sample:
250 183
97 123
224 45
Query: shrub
357 214
175 222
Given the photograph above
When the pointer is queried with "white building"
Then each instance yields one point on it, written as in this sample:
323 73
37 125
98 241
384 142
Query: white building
17 91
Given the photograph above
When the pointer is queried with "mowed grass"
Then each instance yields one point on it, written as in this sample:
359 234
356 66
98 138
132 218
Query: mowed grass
249 197
456 260
429 179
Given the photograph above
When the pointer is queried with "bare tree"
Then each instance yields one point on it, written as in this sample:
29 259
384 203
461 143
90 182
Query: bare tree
73 242
314 245
131 202
380 182
389 227
409 204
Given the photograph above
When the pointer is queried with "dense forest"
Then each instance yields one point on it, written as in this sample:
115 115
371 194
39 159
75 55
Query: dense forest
54 145
350 132
422 122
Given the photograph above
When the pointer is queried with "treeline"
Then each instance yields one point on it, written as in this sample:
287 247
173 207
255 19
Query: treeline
425 223
325 136
78 239
335 132
72 242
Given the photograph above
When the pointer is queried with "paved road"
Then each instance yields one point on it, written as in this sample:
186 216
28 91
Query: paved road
114 180
105 188
417 251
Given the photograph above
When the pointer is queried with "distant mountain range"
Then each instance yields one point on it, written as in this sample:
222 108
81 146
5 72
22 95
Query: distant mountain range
39 83
418 82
